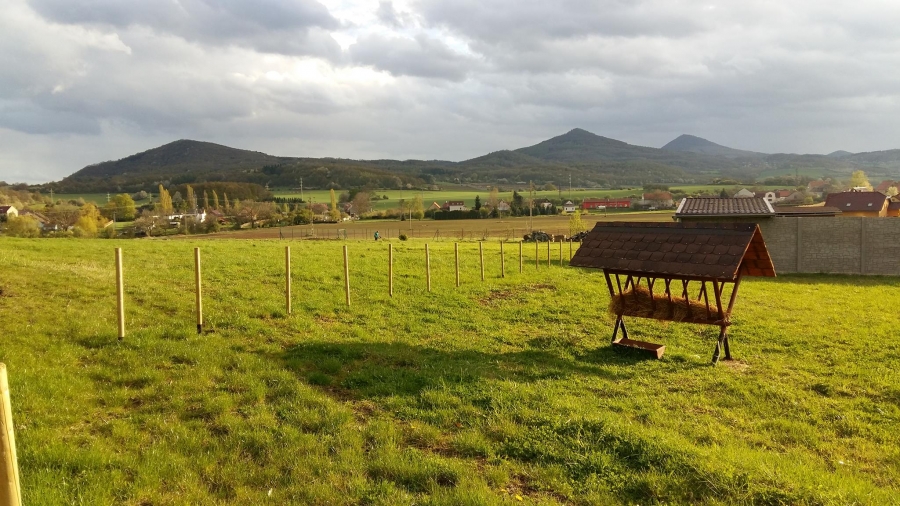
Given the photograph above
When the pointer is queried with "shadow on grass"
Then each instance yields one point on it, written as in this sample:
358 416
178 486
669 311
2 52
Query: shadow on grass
371 370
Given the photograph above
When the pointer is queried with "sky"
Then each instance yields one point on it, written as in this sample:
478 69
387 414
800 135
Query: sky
85 81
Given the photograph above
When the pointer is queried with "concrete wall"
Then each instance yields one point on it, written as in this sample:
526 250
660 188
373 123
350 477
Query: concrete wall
833 245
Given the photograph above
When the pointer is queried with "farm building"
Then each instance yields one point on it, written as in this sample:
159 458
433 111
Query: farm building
8 212
659 200
569 207
768 196
859 203
744 194
454 205
605 204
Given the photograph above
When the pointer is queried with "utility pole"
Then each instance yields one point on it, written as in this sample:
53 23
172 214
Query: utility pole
570 186
107 197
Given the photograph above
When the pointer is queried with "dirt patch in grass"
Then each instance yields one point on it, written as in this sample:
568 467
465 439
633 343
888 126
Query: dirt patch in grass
735 365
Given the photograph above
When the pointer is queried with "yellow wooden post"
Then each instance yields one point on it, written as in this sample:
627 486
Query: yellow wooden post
199 290
502 262
287 279
520 257
120 293
347 274
391 269
427 267
537 255
10 488
548 253
456 253
481 256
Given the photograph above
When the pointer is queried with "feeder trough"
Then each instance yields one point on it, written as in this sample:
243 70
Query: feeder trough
679 272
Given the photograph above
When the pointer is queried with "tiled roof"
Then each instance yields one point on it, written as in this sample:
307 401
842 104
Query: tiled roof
3 209
694 250
856 201
884 185
706 206
806 211
893 205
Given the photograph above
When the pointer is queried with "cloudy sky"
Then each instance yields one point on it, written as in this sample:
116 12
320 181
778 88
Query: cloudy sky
83 81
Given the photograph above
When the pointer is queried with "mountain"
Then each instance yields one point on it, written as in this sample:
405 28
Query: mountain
693 144
588 159
839 154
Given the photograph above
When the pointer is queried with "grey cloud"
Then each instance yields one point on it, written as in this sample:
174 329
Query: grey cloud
275 26
421 57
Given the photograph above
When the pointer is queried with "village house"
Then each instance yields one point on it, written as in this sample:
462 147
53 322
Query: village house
503 206
885 185
569 207
744 194
740 209
817 188
768 196
454 205
605 203
658 200
859 203
893 209
543 203
8 212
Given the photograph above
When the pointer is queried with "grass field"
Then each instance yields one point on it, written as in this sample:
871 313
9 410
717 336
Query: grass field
503 391
442 230
468 195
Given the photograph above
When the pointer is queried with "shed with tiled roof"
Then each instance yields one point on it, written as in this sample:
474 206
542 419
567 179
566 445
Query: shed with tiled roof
665 254
719 209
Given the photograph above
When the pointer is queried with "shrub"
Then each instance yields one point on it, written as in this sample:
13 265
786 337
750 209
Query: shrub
403 237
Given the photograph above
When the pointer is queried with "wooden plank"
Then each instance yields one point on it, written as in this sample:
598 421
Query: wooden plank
656 350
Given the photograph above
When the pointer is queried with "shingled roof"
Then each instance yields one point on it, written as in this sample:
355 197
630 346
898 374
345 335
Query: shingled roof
718 251
706 206
856 201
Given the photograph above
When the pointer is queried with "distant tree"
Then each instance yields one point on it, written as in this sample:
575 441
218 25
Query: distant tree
859 179
191 199
165 201
205 200
550 187
22 226
178 202
215 200
575 223
362 202
723 194
418 211
120 207
477 202
333 212
892 191
494 198
227 204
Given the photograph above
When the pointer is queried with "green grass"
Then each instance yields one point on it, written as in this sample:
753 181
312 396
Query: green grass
481 394
468 196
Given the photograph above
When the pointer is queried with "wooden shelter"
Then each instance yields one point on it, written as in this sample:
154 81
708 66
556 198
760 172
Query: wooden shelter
665 271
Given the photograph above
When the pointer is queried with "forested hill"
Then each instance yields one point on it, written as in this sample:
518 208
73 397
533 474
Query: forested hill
589 159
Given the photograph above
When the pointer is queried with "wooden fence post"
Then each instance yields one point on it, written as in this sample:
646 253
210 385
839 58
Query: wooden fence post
427 267
570 250
502 262
560 254
199 290
120 294
520 257
537 255
347 275
391 269
481 256
548 253
287 279
456 253
10 488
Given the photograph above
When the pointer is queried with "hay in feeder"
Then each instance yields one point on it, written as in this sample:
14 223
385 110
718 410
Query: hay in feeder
642 303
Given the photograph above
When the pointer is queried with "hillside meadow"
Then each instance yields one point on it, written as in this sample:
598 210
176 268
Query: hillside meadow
502 391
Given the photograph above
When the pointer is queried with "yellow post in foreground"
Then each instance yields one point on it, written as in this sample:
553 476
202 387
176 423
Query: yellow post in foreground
10 489
481 256
199 290
456 253
287 279
347 275
120 294
391 270
427 267
502 262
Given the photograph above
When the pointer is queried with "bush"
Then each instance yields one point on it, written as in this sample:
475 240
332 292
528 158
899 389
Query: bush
403 237
22 226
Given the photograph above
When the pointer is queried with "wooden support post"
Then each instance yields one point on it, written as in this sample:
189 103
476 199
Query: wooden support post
427 267
537 255
560 254
10 488
520 257
391 270
570 250
481 257
456 254
548 253
502 262
120 294
198 284
347 274
287 279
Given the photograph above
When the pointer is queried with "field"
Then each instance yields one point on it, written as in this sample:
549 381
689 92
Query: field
503 391
443 230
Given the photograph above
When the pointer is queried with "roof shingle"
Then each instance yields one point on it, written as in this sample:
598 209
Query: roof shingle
706 206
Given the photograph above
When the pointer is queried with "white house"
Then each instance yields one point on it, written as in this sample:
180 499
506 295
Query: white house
8 212
569 207
503 206
744 194
456 205
769 197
